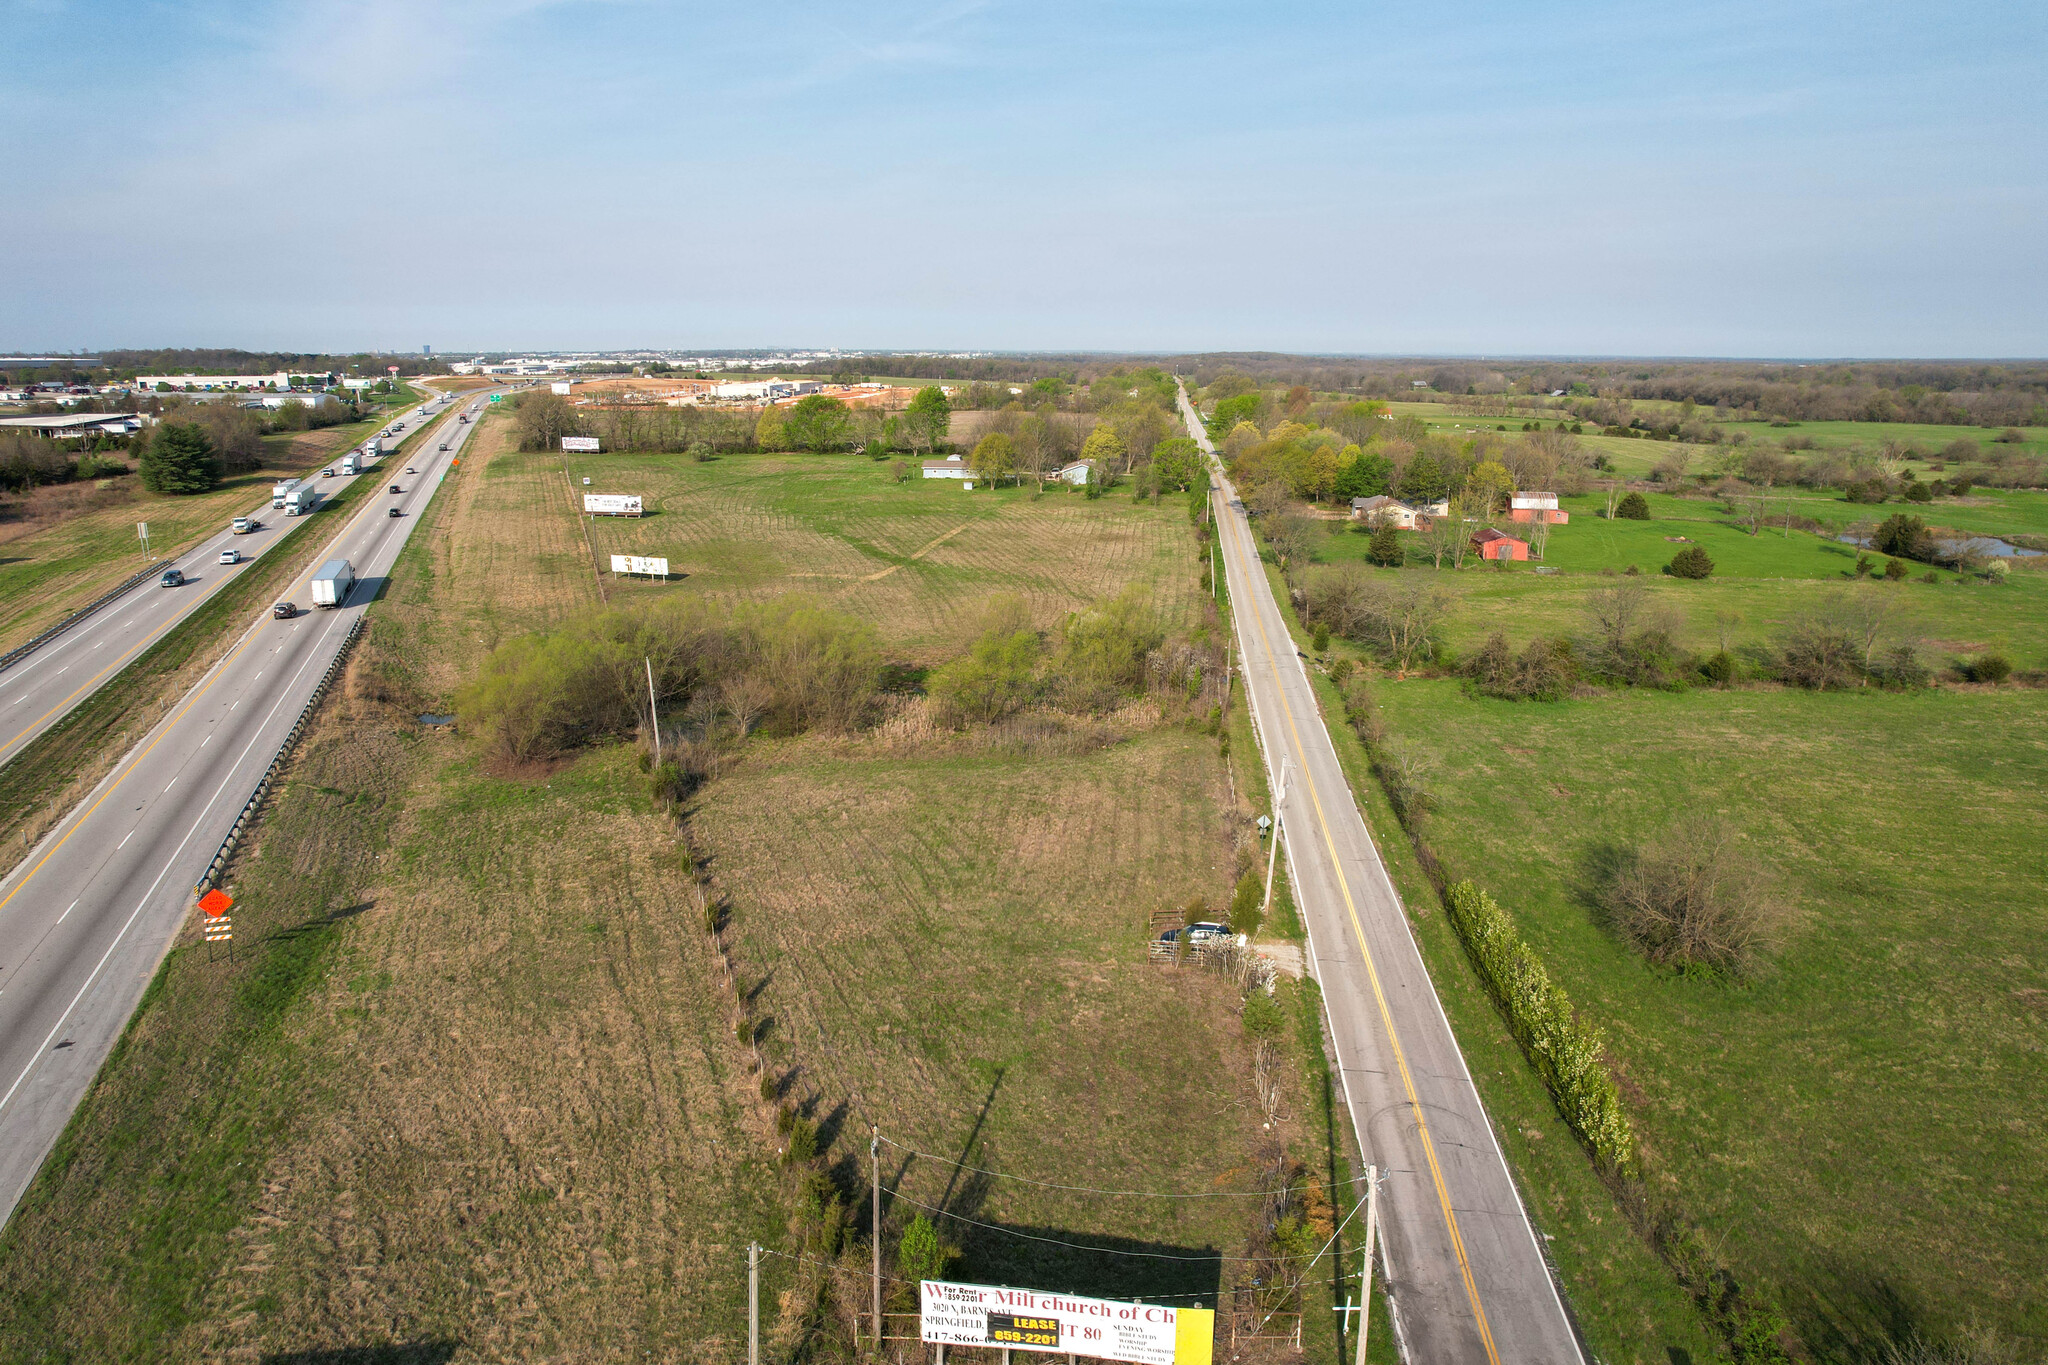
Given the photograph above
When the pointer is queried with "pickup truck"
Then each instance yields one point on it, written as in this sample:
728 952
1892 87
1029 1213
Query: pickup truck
242 526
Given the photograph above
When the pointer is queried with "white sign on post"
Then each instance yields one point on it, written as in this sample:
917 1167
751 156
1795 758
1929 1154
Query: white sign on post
653 566
1026 1320
612 504
587 444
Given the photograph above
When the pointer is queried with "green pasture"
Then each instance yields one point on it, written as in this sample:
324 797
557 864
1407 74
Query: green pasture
1858 1126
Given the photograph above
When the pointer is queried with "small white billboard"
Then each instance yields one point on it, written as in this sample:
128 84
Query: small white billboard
653 566
612 504
585 443
560 386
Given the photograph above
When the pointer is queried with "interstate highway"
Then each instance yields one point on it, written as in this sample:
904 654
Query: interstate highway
87 917
42 687
1465 1270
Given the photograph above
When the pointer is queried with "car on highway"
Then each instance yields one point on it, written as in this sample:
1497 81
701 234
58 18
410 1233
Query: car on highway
410 470
172 578
444 445
396 489
285 611
326 473
1199 934
241 526
397 512
230 556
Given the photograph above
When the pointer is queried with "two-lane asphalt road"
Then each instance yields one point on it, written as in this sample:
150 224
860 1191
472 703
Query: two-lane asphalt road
1465 1271
43 687
87 917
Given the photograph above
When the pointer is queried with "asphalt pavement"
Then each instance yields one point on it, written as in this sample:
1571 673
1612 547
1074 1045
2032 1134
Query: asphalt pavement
1464 1265
88 916
42 687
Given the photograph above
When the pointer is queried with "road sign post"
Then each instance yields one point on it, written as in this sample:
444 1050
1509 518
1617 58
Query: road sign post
218 926
142 534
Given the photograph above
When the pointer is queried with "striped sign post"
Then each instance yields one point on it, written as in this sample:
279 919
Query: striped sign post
218 926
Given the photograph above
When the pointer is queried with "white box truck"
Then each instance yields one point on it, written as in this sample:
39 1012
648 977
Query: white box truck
281 490
300 500
332 584
352 463
373 447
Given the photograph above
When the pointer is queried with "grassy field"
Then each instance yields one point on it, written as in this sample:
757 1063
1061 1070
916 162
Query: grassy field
1858 1127
472 1091
908 557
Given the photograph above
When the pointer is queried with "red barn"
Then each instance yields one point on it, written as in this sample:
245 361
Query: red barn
1493 544
1536 507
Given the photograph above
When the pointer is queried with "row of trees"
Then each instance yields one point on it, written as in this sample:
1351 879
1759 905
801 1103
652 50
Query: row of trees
815 422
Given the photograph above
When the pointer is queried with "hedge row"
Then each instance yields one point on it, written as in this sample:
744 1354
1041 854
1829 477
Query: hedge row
1564 1048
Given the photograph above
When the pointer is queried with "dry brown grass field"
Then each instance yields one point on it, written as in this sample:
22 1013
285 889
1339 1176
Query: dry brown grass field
472 1091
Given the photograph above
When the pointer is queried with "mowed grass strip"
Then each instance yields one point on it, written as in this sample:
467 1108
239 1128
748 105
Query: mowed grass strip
1859 1126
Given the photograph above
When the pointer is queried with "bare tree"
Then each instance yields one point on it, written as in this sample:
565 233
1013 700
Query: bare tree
1695 896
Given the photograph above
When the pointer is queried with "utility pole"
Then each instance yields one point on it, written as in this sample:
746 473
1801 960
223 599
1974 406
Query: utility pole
653 712
1372 1222
753 1303
875 1222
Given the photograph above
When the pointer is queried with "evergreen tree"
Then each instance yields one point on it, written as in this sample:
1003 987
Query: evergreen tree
180 460
1385 548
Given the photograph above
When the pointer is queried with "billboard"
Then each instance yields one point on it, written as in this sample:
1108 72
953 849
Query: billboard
657 566
612 504
559 387
588 443
1027 1320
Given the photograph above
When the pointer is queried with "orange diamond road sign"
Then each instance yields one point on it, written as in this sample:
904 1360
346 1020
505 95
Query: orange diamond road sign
215 903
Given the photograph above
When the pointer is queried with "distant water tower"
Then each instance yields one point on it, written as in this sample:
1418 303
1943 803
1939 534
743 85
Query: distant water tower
427 351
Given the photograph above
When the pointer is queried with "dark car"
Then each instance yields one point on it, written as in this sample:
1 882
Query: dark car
285 611
1199 934
397 512
396 489
172 578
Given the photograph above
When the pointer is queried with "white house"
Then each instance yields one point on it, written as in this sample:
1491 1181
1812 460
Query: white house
952 467
1382 508
1075 473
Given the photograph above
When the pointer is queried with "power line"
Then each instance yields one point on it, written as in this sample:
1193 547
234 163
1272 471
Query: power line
1089 1189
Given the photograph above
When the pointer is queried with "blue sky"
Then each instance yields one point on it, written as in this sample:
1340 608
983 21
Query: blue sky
1781 179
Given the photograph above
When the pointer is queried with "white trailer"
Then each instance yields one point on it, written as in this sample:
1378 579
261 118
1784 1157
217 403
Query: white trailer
332 584
281 490
373 447
301 500
352 463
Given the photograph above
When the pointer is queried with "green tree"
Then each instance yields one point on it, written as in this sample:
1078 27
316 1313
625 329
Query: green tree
770 431
1489 485
920 1255
1178 464
994 458
179 459
818 423
1385 548
1423 481
542 420
1903 535
1106 448
1242 408
1691 562
992 680
1365 476
1634 507
928 418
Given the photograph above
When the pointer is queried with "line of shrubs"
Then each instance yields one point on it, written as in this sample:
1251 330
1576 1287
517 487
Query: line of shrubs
1565 1049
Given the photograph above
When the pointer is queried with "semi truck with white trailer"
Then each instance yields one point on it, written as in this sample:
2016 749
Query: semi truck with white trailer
352 463
301 500
373 447
281 490
332 584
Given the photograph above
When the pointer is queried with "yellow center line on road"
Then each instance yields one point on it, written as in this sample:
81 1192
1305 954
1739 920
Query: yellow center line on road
1436 1174
220 671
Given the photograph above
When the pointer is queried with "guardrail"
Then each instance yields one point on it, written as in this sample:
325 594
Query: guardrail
19 652
284 751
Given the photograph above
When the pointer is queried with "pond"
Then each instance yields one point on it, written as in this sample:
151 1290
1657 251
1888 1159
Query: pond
1989 546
